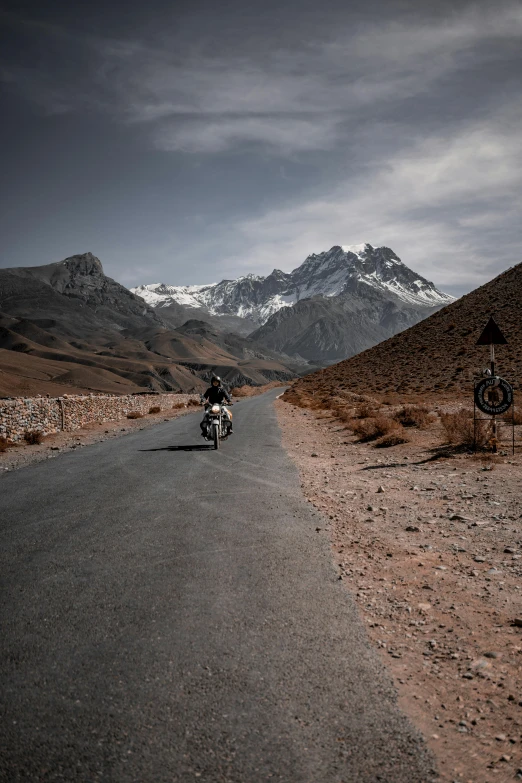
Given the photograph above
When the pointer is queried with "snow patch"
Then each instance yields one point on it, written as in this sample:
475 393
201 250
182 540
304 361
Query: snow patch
357 249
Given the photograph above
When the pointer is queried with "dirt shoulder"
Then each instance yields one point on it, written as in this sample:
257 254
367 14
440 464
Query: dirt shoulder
432 550
18 456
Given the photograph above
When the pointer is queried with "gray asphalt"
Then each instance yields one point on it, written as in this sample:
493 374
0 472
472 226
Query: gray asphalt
173 615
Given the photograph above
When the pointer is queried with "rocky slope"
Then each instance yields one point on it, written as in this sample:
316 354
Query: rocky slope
69 325
325 330
440 353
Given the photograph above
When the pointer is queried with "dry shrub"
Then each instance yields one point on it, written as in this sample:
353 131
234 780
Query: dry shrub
155 409
33 437
394 438
373 428
461 430
193 403
294 397
178 405
324 415
135 415
414 416
317 403
515 416
3 444
365 410
343 413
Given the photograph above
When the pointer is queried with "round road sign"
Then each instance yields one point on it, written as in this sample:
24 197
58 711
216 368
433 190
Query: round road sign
493 396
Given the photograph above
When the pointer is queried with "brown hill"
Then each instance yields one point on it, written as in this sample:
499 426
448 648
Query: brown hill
69 327
438 355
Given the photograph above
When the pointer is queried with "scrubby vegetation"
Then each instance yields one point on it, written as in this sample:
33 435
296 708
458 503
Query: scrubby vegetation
365 410
462 430
414 416
3 444
135 415
372 428
386 422
33 437
155 409
395 438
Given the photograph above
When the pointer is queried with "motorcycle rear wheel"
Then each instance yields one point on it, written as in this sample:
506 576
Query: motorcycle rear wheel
215 434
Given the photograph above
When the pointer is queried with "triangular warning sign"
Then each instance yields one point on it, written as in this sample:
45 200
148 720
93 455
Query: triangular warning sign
492 335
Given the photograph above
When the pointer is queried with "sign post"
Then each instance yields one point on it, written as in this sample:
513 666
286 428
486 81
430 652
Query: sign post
498 392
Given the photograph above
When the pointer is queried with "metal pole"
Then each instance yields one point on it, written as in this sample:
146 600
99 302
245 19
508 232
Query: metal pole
474 419
492 348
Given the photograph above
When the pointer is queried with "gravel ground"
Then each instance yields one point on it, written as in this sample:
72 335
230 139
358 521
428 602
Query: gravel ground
432 549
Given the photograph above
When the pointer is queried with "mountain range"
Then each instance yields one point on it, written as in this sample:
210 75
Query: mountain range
334 305
68 327
68 323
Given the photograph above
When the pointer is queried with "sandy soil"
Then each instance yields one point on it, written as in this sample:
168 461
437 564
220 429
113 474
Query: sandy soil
432 550
18 456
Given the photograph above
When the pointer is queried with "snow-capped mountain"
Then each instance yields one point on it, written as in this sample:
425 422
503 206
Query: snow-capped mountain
340 270
253 297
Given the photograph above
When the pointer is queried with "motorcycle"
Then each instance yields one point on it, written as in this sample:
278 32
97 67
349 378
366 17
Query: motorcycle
219 422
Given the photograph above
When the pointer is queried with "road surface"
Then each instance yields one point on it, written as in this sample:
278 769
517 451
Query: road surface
171 614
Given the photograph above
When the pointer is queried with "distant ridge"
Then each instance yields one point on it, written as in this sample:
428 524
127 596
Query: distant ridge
332 306
439 354
328 274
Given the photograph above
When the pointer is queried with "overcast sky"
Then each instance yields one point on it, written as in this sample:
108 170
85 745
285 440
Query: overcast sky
193 141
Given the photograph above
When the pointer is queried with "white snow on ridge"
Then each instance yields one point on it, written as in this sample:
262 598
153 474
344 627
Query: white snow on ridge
274 304
422 295
161 295
325 274
357 249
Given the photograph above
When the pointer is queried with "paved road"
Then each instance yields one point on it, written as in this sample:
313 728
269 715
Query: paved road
173 615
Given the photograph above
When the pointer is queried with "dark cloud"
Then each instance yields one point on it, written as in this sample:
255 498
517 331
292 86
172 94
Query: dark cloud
252 134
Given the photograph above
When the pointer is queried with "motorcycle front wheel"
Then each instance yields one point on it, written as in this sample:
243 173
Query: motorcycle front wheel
215 434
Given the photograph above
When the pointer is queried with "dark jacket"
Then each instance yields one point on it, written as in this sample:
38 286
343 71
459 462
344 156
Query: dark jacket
216 394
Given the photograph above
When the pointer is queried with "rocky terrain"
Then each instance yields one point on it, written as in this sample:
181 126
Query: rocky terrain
335 304
429 539
439 354
69 327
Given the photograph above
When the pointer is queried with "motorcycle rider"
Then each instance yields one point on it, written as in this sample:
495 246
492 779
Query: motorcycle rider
215 394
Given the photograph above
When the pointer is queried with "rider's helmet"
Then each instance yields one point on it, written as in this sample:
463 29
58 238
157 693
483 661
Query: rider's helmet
215 379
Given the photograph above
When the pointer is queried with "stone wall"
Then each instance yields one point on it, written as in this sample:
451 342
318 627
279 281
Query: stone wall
53 414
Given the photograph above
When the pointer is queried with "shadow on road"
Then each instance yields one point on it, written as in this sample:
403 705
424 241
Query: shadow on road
204 447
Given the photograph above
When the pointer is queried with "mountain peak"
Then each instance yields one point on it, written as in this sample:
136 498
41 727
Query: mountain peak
355 249
83 263
342 270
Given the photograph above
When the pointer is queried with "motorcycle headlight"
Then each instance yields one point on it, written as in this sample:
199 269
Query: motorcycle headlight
215 409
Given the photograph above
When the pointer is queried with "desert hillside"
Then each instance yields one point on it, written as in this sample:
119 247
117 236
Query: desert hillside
438 355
